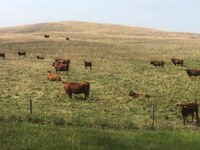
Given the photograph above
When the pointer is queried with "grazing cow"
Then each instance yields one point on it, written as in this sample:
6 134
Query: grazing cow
157 63
60 66
189 108
67 38
88 64
53 77
77 88
3 55
193 72
46 36
136 95
40 57
177 61
22 53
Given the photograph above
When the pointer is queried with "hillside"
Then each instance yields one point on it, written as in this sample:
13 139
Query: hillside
121 58
77 29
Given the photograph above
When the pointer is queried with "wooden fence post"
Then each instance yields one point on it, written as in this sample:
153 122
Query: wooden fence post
30 107
152 117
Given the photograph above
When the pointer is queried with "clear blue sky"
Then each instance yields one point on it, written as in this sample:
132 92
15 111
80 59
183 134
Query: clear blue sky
169 15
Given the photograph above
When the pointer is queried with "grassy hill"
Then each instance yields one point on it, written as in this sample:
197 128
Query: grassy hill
120 57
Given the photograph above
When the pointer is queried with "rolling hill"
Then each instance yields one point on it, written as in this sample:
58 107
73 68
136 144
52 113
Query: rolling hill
120 57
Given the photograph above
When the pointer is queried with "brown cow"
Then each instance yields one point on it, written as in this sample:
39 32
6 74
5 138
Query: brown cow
77 88
53 77
136 95
88 64
40 57
61 67
3 55
22 53
64 61
189 108
177 61
193 72
46 36
157 63
67 38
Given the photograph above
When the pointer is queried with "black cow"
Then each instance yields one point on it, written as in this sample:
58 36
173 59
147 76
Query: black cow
46 36
22 54
88 64
3 55
40 57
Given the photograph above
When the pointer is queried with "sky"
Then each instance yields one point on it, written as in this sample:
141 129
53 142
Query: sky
167 15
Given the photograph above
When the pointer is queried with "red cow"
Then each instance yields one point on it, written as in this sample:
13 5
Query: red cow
77 88
177 61
53 77
189 108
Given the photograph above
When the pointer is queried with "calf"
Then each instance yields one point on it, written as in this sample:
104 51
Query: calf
193 72
77 88
136 95
3 55
157 63
88 64
189 108
53 77
176 61
39 57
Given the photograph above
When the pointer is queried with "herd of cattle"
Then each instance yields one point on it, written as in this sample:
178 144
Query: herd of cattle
84 87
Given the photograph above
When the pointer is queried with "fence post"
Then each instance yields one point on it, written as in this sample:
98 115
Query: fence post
30 107
152 117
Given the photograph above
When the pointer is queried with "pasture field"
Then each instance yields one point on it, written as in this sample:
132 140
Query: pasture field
120 57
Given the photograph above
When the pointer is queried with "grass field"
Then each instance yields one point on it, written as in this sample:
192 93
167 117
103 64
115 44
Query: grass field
23 136
120 57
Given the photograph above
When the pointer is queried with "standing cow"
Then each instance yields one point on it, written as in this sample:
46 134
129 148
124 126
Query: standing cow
61 67
193 72
189 108
176 61
157 63
88 64
46 36
22 54
64 61
77 88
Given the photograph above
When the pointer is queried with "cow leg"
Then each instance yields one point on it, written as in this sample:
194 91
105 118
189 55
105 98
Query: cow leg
197 117
184 118
70 95
86 95
192 116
